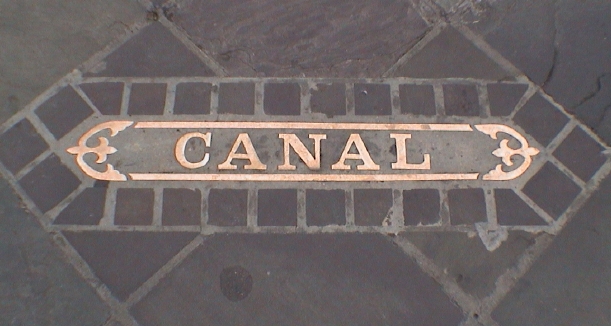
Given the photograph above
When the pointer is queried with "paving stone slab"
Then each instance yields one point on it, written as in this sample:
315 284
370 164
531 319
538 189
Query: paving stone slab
321 38
298 280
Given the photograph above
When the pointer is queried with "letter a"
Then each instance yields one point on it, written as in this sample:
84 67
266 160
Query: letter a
363 154
250 155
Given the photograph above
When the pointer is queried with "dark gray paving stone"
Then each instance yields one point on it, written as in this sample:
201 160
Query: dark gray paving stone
20 145
181 207
227 207
417 99
466 259
153 52
467 206
329 99
321 38
450 55
523 32
372 206
106 97
49 183
512 210
582 50
192 98
372 99
540 119
134 206
570 283
31 60
325 207
421 206
147 99
37 285
63 111
86 209
125 260
282 99
504 97
324 279
277 207
595 110
581 154
237 98
461 100
552 190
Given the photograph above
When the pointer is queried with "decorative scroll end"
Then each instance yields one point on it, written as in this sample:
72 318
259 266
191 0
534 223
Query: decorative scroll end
102 150
505 152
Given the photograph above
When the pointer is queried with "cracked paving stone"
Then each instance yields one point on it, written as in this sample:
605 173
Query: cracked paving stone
299 280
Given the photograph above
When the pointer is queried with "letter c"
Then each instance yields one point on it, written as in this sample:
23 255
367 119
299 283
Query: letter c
181 144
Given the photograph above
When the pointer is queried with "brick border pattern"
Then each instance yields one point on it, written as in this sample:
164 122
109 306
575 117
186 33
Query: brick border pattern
33 159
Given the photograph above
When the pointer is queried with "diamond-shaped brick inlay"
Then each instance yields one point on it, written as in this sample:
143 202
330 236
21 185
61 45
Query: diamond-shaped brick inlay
334 235
581 154
49 183
64 111
552 190
20 145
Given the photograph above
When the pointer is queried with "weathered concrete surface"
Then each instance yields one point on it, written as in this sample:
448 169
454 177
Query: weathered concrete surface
41 41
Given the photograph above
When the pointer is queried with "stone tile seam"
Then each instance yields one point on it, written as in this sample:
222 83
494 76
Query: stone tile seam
467 303
427 37
85 98
200 53
154 280
117 309
69 252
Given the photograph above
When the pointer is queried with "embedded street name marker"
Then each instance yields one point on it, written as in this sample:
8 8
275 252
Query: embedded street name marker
236 158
